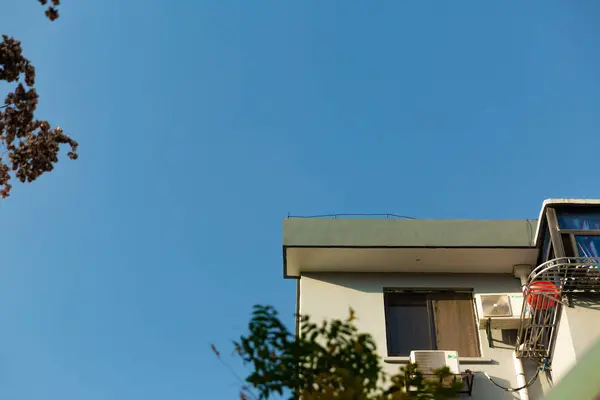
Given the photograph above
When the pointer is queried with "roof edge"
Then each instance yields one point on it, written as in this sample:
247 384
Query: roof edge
563 201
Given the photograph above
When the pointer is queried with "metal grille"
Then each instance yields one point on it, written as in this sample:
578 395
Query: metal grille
545 292
495 305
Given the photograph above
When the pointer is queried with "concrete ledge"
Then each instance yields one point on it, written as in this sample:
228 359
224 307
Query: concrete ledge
462 360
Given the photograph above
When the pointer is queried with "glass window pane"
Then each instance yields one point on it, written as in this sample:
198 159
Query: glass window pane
580 221
567 245
454 318
546 245
588 246
408 325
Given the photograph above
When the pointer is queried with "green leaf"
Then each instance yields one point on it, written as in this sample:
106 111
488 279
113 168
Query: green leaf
325 362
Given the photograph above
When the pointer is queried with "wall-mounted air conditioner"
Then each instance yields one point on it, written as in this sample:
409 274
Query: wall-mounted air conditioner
503 310
429 360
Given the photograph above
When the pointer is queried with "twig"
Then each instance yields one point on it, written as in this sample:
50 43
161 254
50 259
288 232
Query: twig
244 386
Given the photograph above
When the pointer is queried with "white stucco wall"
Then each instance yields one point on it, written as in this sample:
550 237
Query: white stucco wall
564 351
328 296
578 330
584 325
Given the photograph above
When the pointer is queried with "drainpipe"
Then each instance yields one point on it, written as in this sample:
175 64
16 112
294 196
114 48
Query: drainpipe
521 272
521 381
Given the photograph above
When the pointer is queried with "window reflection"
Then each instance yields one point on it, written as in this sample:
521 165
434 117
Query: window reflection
545 247
588 246
584 222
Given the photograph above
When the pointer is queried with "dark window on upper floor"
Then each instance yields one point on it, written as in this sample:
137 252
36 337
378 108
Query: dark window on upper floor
545 247
580 221
579 232
430 321
568 245
588 246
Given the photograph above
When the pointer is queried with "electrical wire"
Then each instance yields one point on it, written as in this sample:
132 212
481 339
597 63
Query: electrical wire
351 215
529 383
531 238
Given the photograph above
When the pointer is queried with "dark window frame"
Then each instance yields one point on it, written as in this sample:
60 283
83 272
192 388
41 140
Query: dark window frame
568 236
429 304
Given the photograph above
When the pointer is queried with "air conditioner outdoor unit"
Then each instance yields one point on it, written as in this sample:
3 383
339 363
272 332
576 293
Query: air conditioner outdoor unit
430 360
503 310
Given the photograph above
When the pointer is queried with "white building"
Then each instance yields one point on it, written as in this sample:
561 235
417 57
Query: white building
457 285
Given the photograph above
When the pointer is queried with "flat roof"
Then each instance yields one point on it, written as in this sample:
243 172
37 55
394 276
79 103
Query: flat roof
413 245
406 245
351 232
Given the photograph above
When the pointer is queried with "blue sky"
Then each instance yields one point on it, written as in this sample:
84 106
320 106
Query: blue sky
203 123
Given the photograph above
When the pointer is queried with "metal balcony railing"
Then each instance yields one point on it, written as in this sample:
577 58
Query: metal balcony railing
548 287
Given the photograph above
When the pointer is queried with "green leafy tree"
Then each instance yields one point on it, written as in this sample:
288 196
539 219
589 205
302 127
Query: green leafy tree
28 147
326 362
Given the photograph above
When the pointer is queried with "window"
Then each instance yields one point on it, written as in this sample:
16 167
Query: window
441 320
579 232
588 246
546 247
568 245
579 221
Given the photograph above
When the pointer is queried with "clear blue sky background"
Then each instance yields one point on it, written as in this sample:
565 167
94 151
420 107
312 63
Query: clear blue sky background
203 123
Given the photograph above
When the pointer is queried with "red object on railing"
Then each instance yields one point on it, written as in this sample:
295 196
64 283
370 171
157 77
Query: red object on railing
539 301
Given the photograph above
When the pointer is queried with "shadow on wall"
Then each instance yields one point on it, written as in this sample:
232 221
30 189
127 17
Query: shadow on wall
505 339
375 282
485 390
589 301
541 386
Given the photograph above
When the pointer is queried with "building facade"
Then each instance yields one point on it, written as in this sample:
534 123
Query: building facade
516 300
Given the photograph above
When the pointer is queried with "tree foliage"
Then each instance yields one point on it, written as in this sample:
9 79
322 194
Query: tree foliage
52 9
29 146
329 361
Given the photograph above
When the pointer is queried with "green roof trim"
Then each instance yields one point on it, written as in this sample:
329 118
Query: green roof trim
351 232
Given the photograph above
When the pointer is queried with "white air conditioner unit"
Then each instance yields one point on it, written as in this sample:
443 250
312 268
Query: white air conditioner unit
429 360
503 310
